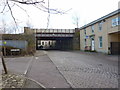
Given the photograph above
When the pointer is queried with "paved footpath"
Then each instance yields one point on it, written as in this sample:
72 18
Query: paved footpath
87 70
39 69
17 69
58 69
44 71
0 73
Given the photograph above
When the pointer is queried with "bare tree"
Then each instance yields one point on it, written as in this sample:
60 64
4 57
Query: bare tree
7 28
76 20
3 27
42 5
39 4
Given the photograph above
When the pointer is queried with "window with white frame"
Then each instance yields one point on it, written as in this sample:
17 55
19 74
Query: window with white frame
116 21
92 28
100 42
100 25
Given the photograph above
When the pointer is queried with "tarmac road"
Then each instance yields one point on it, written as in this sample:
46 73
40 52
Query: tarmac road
18 64
0 73
44 71
38 68
61 69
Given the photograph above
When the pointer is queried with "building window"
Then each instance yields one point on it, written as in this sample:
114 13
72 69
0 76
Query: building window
92 28
100 26
49 43
45 43
39 42
85 31
85 42
100 42
116 21
42 43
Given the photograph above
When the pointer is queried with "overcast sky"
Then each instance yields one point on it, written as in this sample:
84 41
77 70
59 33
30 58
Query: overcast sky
86 10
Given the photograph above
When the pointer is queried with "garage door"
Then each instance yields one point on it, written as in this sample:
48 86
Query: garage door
115 48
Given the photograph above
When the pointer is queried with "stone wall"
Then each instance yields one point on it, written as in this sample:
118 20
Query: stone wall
76 40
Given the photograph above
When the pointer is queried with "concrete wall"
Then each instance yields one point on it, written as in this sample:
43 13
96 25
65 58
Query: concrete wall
76 40
29 31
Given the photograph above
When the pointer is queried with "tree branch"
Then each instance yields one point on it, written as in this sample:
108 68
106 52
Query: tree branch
28 2
12 14
3 8
22 9
3 11
48 18
37 4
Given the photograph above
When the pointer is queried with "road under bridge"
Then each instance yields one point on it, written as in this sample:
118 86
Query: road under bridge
55 39
54 43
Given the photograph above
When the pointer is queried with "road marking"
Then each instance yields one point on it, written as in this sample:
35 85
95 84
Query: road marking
36 57
28 66
36 82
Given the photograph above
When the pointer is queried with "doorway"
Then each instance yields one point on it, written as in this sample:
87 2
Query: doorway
93 45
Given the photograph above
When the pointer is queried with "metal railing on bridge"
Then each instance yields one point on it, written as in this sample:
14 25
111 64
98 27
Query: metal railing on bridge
54 32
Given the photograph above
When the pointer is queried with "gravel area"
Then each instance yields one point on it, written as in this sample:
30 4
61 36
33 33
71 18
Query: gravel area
12 81
18 81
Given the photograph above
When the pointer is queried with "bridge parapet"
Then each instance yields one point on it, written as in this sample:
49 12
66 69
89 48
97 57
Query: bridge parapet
50 32
54 35
54 30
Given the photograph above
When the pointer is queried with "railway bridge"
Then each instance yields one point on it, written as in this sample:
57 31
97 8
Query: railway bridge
59 39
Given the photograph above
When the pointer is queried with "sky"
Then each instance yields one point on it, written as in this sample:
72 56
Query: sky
86 10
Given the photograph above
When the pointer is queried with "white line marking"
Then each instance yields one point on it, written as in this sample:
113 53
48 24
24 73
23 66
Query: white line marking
36 57
36 82
28 65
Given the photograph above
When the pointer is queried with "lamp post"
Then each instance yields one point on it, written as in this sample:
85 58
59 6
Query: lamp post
4 49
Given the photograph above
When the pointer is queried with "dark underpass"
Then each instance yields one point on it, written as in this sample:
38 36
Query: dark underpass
54 43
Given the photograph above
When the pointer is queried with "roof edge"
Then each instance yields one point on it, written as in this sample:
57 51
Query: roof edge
102 18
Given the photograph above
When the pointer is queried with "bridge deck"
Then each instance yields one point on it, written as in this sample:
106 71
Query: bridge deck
54 32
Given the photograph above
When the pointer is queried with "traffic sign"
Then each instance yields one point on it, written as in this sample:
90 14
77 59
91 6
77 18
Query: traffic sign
4 42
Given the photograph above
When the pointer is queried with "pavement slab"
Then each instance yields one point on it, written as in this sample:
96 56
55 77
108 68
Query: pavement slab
64 69
0 73
39 71
16 78
44 71
86 70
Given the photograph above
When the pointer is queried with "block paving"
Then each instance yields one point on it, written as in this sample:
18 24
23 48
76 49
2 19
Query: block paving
86 71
